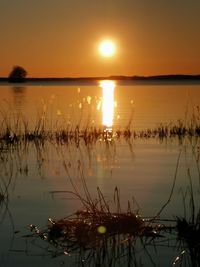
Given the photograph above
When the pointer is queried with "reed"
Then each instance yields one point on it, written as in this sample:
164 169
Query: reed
16 128
188 226
93 134
101 230
98 228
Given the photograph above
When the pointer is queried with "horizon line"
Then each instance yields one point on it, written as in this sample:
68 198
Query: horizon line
159 76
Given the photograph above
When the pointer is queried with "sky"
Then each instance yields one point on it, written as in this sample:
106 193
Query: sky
59 38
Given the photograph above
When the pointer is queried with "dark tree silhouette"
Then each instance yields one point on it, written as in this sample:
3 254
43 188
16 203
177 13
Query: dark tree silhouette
18 74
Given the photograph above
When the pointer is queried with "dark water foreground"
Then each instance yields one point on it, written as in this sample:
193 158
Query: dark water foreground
60 207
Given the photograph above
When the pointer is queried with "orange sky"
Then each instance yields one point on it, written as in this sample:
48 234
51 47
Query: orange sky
52 38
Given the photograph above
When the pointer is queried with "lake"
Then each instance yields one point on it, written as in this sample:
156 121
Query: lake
36 177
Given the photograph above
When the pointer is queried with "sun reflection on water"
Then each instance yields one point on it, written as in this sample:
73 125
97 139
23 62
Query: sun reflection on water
108 103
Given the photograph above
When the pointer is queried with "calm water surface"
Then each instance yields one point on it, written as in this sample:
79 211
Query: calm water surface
140 168
149 105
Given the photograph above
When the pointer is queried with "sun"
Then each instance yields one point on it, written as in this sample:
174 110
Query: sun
107 48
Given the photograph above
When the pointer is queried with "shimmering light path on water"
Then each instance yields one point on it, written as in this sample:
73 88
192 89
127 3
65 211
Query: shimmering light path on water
108 103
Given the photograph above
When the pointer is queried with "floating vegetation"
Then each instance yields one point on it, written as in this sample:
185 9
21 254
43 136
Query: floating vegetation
103 238
100 234
88 230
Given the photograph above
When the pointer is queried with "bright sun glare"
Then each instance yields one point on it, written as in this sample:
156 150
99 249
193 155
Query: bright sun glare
107 48
108 102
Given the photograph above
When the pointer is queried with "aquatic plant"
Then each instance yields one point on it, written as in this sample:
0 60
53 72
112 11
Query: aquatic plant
97 234
101 229
188 227
16 128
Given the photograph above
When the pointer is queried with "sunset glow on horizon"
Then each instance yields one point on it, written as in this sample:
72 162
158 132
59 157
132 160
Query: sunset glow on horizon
51 39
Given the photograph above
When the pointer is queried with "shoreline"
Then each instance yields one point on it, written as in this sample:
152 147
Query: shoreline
121 80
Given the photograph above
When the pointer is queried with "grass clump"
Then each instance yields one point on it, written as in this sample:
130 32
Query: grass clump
188 227
96 228
88 230
189 235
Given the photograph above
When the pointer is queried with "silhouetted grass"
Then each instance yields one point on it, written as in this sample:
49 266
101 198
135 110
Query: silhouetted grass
15 128
188 226
99 235
94 134
102 235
